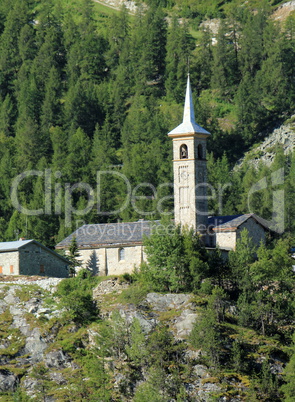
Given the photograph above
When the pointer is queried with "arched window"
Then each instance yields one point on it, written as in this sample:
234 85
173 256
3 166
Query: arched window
121 254
200 151
183 152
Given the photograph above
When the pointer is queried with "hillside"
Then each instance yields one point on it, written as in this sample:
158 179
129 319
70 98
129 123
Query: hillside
83 91
135 346
281 9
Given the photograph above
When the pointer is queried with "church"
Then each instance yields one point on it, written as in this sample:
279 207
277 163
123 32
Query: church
116 248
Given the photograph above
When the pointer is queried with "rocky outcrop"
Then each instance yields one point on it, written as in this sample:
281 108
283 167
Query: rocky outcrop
283 136
168 301
284 10
8 381
35 338
109 286
49 284
131 6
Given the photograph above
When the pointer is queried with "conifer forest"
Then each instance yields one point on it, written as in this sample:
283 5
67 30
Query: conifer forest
87 95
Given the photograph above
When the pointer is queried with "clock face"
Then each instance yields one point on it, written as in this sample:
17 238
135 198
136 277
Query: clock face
184 175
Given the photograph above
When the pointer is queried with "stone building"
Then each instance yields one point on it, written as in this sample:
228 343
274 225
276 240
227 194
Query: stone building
224 231
28 257
111 248
117 248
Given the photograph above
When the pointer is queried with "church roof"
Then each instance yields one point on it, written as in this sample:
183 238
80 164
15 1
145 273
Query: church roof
109 234
188 124
231 223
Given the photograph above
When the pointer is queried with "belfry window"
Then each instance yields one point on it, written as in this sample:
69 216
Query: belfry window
183 152
121 254
200 152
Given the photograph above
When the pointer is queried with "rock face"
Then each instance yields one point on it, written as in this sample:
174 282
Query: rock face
37 349
284 10
109 286
34 343
8 381
283 136
169 301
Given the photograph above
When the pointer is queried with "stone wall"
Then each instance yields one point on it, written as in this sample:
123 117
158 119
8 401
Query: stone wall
9 263
107 260
226 240
256 231
35 260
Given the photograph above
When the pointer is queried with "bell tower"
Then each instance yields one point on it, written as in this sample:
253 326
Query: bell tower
190 169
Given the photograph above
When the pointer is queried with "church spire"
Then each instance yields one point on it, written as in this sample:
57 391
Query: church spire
188 124
188 113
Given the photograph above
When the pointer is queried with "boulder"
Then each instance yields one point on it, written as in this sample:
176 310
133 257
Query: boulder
184 323
168 301
57 359
8 381
109 286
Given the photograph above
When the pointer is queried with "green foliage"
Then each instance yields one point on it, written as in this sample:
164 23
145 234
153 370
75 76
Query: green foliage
83 91
75 296
73 256
177 261
135 293
241 258
137 351
207 331
289 373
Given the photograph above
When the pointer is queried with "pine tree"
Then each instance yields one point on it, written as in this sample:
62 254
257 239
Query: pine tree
225 66
178 48
137 351
289 387
207 332
73 256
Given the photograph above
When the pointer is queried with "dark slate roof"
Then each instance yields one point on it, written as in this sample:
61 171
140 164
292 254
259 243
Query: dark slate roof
16 245
97 235
232 222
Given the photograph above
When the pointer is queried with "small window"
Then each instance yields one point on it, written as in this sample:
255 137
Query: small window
200 152
11 269
42 269
183 152
121 254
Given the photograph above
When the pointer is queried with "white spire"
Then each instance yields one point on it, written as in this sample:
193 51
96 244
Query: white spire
188 124
188 113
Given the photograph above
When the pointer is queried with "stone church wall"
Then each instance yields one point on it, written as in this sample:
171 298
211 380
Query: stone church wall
112 261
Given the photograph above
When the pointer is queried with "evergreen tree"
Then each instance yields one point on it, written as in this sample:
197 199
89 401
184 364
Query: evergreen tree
137 351
176 260
74 256
240 260
178 49
289 387
225 66
207 332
